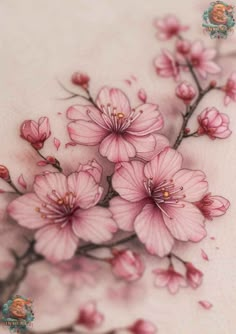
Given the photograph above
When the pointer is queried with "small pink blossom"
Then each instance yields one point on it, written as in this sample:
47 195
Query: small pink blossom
4 173
93 168
36 132
204 255
156 201
121 132
57 143
62 209
201 59
80 79
205 304
142 95
214 124
166 65
127 265
230 89
185 92
89 316
213 206
168 27
21 181
183 46
142 326
169 278
193 275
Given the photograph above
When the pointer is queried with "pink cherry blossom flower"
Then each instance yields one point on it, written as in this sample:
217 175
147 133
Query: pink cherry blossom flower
193 275
201 59
77 271
230 89
142 326
63 210
127 265
157 201
185 92
213 123
183 46
168 27
169 278
166 65
121 132
213 206
89 316
36 132
80 79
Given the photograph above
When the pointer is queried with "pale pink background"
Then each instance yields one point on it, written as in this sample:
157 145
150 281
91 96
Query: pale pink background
42 41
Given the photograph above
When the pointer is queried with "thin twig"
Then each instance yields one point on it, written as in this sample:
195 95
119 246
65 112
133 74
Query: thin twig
57 164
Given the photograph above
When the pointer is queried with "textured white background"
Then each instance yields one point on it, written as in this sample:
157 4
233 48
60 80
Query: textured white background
42 41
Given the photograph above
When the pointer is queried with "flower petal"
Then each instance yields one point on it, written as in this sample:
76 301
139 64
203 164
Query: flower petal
186 223
125 212
23 210
116 148
56 243
86 133
85 188
114 97
163 166
148 121
94 224
151 230
193 182
144 145
128 181
78 112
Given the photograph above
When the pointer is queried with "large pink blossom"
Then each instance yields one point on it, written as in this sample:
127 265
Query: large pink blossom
230 89
213 206
169 278
36 132
201 59
166 65
62 209
214 124
157 201
121 132
168 27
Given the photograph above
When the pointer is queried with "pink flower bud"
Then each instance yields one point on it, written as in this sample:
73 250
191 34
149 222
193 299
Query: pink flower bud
183 46
89 316
127 265
213 206
193 275
36 132
213 123
185 92
80 79
142 95
4 173
142 326
51 160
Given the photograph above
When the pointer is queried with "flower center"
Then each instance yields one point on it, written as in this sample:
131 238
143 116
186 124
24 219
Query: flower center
115 121
58 209
166 192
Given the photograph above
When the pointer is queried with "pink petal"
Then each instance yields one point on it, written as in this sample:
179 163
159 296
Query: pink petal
93 168
205 304
70 144
124 212
193 182
85 188
128 181
175 282
161 278
78 112
204 255
150 120
87 133
151 230
45 184
57 143
197 48
114 97
129 82
163 166
25 211
142 95
211 67
144 145
116 148
42 163
21 181
56 243
185 221
94 224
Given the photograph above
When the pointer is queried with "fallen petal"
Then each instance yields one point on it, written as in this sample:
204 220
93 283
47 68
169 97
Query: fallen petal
204 255
57 143
21 181
142 95
205 304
